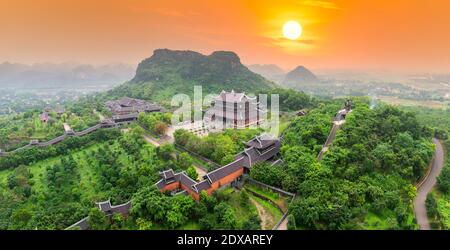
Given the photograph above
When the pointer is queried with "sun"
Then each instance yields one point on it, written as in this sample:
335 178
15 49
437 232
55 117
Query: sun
292 30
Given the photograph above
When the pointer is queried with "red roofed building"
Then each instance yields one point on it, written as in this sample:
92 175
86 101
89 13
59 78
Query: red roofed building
261 148
44 117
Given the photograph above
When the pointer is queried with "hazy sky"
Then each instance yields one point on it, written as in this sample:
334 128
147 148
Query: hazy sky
411 35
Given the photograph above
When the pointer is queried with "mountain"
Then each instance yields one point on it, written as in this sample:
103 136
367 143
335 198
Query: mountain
269 71
298 77
169 72
62 75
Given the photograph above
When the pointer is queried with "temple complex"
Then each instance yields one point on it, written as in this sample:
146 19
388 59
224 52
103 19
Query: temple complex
259 149
234 110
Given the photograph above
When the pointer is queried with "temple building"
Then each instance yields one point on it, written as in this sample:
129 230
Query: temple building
109 210
68 130
234 110
128 105
44 117
127 109
260 149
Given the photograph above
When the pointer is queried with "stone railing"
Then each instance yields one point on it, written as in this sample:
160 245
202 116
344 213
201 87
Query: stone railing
274 189
284 211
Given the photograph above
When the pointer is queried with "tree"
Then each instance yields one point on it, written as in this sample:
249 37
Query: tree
166 151
384 156
291 225
244 198
226 217
431 205
440 134
443 180
269 174
143 224
184 160
209 201
174 218
253 223
160 128
97 220
21 216
192 173
148 202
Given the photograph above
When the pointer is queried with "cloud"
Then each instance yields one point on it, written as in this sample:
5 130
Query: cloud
293 47
321 4
282 40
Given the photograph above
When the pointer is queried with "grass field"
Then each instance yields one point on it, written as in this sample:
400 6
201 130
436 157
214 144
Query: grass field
408 102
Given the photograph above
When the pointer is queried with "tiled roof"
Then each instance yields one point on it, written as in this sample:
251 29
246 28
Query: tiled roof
122 208
127 105
125 116
44 116
82 224
225 170
167 174
262 141
186 180
246 158
233 97
104 206
203 185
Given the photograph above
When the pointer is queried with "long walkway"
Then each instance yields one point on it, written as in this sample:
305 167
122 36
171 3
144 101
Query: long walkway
427 185
330 140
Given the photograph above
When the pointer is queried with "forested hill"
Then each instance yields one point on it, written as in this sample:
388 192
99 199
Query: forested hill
365 180
169 72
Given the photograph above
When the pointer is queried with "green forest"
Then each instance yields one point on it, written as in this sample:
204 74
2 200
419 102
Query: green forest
62 188
365 180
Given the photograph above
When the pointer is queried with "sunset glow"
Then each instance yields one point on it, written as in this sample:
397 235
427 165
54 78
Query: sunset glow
403 34
292 30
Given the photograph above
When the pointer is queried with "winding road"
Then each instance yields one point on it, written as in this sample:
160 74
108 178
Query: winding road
427 185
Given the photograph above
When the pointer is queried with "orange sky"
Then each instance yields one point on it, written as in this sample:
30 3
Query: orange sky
407 35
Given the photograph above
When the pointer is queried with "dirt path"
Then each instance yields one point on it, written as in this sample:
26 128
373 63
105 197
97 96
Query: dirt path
330 139
427 185
266 219
150 140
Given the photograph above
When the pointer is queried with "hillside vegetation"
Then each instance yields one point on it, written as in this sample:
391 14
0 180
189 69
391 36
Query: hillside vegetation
169 72
366 178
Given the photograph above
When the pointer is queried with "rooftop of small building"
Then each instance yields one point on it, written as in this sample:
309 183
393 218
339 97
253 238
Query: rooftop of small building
262 141
233 96
253 154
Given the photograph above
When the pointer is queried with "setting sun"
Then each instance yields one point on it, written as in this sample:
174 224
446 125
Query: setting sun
292 30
